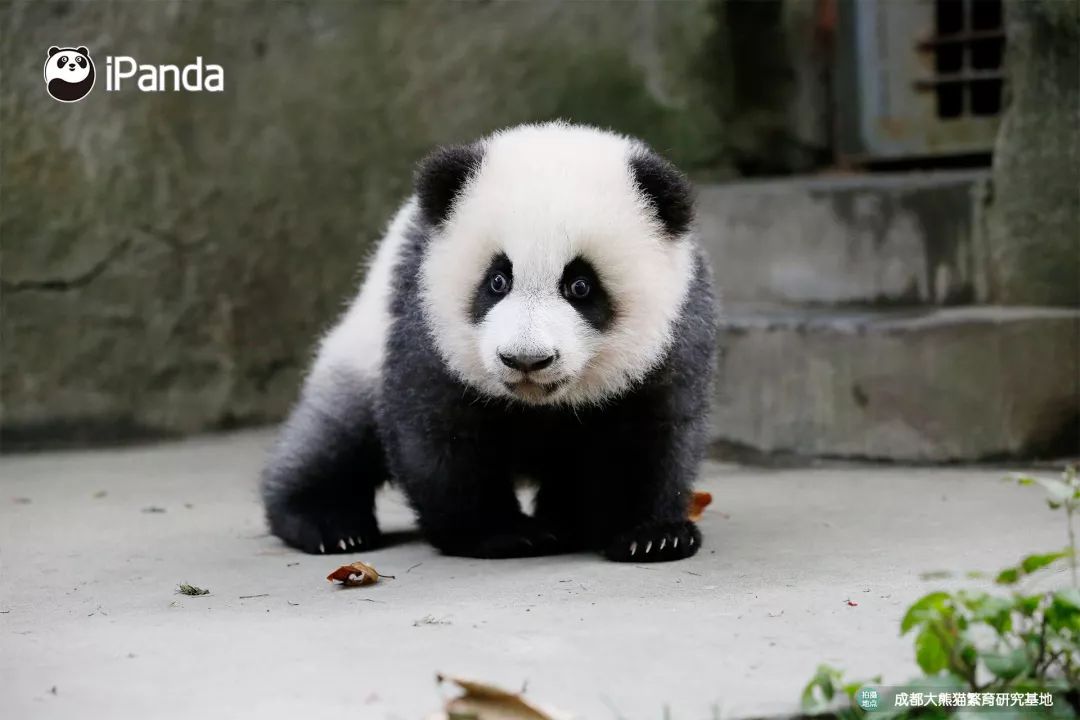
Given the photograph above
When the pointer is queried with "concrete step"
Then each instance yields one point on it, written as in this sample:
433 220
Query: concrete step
874 239
932 385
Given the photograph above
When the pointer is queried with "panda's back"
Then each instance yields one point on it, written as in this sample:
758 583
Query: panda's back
354 350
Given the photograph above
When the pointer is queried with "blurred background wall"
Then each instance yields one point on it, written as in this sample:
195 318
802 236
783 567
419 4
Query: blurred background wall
169 259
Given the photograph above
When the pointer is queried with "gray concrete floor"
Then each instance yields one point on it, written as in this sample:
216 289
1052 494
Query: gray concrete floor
90 626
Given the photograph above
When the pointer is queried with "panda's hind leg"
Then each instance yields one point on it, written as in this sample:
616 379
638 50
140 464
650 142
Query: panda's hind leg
319 486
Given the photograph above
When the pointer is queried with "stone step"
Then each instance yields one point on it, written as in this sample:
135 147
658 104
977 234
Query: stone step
899 239
932 385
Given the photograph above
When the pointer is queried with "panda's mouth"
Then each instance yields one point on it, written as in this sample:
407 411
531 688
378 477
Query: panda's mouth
531 390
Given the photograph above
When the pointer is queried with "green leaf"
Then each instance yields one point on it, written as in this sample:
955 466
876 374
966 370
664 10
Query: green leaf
1056 490
936 575
825 681
1027 605
969 655
994 611
1029 565
1008 576
930 654
1069 597
923 609
1063 615
1007 665
1034 562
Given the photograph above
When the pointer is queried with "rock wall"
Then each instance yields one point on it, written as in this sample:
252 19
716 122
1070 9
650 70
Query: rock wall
1032 220
170 258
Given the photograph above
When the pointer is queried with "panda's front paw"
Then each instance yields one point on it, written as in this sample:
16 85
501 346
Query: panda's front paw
525 539
655 542
326 531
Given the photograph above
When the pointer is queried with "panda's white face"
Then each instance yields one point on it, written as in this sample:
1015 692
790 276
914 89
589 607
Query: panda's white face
68 65
552 281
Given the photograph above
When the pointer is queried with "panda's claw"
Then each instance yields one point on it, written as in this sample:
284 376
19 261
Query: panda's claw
659 542
324 531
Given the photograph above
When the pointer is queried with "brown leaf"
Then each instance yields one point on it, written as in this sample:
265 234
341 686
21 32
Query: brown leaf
698 502
481 701
356 574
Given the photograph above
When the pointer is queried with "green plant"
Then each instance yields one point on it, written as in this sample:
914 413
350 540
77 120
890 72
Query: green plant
976 642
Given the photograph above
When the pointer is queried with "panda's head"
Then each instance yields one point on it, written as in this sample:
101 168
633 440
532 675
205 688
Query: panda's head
69 73
558 261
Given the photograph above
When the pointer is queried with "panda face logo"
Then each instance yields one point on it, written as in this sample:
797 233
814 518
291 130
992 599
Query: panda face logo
69 73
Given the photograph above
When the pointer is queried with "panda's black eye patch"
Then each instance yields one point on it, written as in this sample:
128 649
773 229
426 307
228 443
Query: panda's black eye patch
496 284
581 287
81 61
62 61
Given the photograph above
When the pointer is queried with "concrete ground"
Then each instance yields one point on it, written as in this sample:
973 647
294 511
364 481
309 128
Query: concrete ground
799 566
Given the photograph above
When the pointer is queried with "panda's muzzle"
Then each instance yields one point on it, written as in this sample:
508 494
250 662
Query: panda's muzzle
535 390
528 363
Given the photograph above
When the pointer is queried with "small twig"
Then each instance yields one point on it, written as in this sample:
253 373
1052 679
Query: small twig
410 569
248 597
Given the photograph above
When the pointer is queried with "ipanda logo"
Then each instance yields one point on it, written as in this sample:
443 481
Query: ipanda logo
69 75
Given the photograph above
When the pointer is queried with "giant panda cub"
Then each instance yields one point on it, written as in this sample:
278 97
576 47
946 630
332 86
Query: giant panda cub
538 310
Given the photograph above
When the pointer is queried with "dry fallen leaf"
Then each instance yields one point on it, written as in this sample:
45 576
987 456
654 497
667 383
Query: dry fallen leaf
356 574
698 502
481 701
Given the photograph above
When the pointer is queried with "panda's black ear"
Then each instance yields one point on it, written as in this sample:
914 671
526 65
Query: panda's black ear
53 50
666 189
82 51
441 176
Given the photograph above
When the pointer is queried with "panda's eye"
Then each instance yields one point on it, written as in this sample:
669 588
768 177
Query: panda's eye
62 61
82 63
499 284
579 289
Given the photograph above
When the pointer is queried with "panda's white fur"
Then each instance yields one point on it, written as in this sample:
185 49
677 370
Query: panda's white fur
355 347
590 207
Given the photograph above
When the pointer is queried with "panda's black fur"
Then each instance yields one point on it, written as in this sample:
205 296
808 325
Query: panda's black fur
614 476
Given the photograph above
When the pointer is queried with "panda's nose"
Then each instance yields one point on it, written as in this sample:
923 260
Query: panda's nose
527 363
71 66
